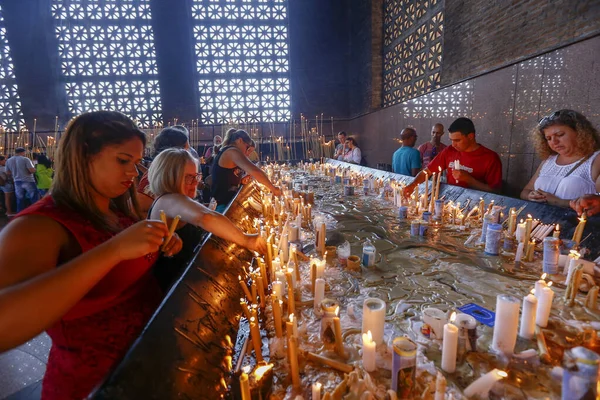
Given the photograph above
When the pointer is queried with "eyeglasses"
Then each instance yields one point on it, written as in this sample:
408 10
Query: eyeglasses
191 179
556 114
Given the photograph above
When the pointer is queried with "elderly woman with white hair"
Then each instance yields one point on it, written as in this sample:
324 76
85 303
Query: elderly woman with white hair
173 179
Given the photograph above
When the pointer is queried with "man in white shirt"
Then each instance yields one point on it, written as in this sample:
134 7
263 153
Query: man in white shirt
7 187
21 169
341 149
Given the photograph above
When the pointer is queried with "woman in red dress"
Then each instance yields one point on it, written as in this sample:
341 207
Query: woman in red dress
87 281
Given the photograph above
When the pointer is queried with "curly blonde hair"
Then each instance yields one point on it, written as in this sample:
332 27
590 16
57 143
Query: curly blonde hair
588 139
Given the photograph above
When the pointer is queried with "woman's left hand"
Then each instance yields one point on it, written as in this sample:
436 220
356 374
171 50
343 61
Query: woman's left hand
552 199
174 246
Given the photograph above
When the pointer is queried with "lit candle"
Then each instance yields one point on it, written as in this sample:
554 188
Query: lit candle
374 318
245 288
556 233
544 306
337 330
293 324
520 232
245 308
245 385
369 353
528 223
256 339
450 345
530 251
316 391
506 324
481 207
483 385
512 222
539 285
426 187
579 230
527 328
277 316
261 290
572 257
437 186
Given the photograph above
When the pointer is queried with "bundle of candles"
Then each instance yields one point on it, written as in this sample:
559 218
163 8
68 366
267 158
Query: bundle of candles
286 291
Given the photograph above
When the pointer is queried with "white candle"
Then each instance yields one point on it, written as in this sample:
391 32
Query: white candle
573 257
539 285
544 307
519 254
369 353
527 328
294 322
285 248
506 324
316 391
520 232
319 293
277 288
483 385
293 232
320 268
450 345
374 318
456 164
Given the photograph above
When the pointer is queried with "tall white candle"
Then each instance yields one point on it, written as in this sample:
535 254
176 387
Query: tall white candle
450 345
369 352
319 293
285 248
506 324
572 257
520 232
482 386
527 328
374 318
320 267
316 391
544 307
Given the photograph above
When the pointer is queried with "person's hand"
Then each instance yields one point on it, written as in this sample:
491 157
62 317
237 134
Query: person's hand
246 179
462 176
550 198
537 195
589 203
276 191
139 239
408 191
256 243
174 246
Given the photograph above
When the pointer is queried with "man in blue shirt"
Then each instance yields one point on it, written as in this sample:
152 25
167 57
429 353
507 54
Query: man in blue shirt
407 160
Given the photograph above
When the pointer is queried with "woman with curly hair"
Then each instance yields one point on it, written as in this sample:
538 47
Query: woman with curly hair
569 146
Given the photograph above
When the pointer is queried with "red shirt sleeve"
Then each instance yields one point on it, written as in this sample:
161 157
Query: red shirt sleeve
439 161
493 177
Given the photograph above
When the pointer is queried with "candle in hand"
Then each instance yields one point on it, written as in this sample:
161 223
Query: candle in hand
369 353
579 230
450 345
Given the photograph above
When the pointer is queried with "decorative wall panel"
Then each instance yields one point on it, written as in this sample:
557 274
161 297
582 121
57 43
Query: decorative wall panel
11 116
107 54
242 60
413 34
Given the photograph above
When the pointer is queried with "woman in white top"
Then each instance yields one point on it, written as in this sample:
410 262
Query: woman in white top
570 147
353 155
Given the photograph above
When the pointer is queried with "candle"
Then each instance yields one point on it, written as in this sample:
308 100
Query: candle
293 353
278 289
319 293
520 232
256 339
253 290
374 318
245 385
457 165
426 188
544 306
440 387
450 345
528 223
245 308
579 230
245 288
519 254
572 257
528 316
277 311
261 290
337 330
506 324
483 385
481 208
369 353
293 324
437 186
512 221
556 233
530 251
539 285
316 391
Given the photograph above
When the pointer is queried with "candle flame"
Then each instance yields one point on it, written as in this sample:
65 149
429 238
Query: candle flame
503 374
544 275
247 369
240 277
252 320
369 336
317 385
260 371
453 316
532 291
550 283
557 227
529 216
292 317
337 310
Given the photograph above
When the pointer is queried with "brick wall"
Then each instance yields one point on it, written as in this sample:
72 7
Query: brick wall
483 35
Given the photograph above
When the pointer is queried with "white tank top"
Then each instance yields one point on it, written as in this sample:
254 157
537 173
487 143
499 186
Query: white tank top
552 178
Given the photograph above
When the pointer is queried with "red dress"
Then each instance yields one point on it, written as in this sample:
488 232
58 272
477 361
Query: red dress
95 334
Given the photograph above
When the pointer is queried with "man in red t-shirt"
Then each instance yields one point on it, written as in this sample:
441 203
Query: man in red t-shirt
479 167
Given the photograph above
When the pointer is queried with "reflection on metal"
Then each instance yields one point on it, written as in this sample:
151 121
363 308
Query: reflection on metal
413 32
180 354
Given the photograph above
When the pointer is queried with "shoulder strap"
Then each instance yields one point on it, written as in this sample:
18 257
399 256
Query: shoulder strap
584 159
153 203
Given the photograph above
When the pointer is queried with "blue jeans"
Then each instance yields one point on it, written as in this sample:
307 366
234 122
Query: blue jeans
23 188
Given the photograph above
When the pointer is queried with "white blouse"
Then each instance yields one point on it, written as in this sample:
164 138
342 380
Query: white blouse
552 178
353 156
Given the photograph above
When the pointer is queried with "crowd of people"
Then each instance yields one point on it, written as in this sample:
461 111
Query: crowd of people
107 210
